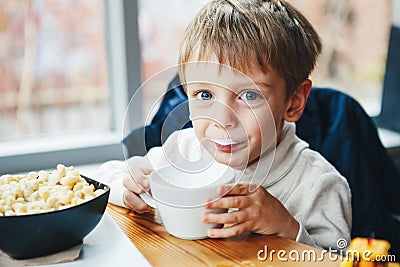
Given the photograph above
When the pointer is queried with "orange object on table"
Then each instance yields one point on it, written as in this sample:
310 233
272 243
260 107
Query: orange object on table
367 252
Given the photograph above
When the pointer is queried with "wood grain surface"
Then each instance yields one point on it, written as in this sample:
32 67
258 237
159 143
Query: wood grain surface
162 249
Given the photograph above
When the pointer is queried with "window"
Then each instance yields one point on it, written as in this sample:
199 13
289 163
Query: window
355 35
161 27
63 81
53 68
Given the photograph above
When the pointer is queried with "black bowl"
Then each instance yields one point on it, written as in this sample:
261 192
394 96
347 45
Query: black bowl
29 236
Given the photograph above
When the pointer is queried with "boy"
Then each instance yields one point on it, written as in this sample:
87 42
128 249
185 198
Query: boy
245 65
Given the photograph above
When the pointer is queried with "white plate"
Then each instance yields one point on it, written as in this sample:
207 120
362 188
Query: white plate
107 246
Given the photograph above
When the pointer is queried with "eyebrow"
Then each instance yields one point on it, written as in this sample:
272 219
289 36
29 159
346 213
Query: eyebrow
262 84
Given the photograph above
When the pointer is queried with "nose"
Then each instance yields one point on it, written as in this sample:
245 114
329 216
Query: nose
224 115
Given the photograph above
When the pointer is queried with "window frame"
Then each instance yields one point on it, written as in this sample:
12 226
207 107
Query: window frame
124 70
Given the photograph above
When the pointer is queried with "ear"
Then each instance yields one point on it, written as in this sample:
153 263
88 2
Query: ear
297 101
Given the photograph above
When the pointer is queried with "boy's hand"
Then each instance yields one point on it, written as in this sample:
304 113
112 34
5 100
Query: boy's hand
258 212
135 181
132 200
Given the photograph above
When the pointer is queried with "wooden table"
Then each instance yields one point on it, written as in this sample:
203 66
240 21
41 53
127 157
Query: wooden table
162 249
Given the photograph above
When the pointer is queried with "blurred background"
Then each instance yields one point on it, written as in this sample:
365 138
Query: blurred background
53 68
57 74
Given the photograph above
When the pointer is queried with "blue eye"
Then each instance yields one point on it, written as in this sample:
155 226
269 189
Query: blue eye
205 95
250 95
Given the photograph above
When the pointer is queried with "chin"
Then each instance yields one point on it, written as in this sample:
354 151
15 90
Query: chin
232 160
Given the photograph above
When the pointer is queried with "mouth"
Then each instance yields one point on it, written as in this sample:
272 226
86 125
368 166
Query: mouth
226 145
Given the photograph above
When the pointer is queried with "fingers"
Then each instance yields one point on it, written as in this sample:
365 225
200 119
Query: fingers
239 202
131 197
251 209
137 184
134 202
145 165
231 189
227 232
235 217
236 222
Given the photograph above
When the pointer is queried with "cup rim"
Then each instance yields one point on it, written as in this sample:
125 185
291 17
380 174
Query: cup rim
155 177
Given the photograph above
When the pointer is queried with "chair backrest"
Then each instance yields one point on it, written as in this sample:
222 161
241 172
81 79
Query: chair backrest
390 112
172 115
336 126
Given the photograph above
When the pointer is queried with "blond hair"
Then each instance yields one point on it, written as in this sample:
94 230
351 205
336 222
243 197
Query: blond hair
248 33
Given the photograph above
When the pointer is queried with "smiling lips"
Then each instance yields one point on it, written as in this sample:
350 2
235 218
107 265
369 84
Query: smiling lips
226 145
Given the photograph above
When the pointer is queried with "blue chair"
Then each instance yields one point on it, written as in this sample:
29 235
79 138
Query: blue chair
333 124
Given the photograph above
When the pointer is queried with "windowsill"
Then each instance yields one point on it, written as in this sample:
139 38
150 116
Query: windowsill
58 142
373 107
72 149
390 139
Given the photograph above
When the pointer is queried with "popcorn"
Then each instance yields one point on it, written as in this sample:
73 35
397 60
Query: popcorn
44 191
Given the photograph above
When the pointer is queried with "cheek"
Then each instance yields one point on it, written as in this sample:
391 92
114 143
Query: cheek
200 127
278 111
261 129
253 128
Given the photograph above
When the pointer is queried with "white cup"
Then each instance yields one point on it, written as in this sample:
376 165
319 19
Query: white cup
180 197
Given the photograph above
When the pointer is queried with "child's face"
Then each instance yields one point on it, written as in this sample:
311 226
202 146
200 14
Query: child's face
237 118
